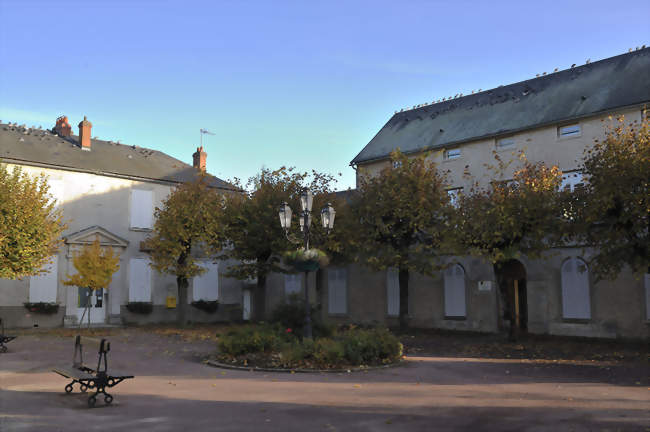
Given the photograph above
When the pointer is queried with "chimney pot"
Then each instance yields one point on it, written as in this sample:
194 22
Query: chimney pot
84 133
199 159
62 127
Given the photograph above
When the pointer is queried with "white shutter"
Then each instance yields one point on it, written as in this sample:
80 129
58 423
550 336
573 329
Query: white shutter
139 280
141 209
42 288
647 296
292 284
455 304
392 291
572 180
56 192
337 290
206 286
575 290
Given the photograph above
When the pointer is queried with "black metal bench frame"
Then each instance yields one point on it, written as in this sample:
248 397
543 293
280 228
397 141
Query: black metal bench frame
91 378
4 338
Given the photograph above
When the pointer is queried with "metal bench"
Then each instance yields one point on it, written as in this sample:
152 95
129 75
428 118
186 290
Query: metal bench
88 377
4 338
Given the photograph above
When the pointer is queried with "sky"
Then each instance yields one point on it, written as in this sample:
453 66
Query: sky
304 83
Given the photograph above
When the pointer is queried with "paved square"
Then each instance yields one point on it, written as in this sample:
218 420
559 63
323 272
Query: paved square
174 391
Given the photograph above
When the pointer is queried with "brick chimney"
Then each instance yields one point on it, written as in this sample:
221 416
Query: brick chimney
62 127
84 133
199 159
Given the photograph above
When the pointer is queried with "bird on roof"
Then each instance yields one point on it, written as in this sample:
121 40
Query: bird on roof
642 46
630 50
543 73
588 61
479 89
555 70
573 65
536 75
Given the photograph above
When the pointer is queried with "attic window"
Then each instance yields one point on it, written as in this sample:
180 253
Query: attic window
452 154
573 130
505 143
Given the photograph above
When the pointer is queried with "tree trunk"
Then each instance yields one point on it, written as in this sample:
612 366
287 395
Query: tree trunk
506 297
181 308
259 299
403 298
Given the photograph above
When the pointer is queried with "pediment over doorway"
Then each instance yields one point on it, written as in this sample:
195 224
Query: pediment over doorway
89 235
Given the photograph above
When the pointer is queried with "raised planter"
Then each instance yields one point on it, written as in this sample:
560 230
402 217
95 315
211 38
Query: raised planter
206 306
140 307
42 308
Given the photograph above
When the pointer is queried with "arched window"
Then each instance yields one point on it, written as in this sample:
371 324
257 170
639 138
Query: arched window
575 289
455 305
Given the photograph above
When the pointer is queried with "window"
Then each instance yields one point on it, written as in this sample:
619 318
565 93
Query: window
56 192
292 284
505 143
454 278
453 195
397 164
646 281
573 130
392 291
575 290
42 288
139 280
206 285
141 209
572 180
452 154
337 290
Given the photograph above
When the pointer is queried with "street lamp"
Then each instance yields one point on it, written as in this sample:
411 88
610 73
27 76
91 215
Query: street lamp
304 219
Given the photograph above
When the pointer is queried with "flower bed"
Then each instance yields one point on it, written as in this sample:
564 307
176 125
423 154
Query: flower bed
273 346
42 308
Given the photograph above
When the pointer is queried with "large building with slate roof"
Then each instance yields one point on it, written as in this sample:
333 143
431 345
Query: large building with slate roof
107 191
551 118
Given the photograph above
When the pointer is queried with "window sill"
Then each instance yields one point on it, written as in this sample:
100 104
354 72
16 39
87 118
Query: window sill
140 229
576 320
456 318
338 315
568 137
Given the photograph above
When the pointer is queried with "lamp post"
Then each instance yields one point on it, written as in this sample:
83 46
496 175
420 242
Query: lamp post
304 219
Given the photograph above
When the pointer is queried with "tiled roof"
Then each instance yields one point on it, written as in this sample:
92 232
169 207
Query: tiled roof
36 146
581 91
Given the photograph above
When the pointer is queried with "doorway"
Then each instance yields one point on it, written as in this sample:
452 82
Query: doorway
514 299
97 302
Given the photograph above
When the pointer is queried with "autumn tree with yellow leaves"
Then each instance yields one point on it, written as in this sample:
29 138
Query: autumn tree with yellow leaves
95 268
30 224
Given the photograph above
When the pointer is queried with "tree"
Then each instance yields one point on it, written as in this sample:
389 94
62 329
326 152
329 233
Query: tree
506 220
30 225
403 214
252 228
95 268
614 204
187 222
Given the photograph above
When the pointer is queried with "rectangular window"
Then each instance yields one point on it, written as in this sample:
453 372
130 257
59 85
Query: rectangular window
392 292
397 164
206 285
453 195
141 209
292 284
452 154
569 131
572 180
454 281
337 290
42 288
575 290
505 143
139 280
646 281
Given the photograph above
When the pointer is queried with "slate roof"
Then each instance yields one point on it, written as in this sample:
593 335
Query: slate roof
42 147
581 91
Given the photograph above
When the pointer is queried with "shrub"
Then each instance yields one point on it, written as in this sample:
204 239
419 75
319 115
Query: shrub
292 315
371 346
139 307
252 339
206 306
328 352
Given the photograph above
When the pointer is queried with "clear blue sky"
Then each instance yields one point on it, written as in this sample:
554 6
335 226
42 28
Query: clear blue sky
303 83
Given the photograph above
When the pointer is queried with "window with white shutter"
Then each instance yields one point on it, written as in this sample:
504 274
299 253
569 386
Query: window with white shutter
206 285
139 280
42 288
141 209
572 180
337 287
56 191
454 280
392 291
576 302
647 295
292 284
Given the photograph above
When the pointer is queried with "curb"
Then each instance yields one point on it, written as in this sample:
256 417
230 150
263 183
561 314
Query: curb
300 370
